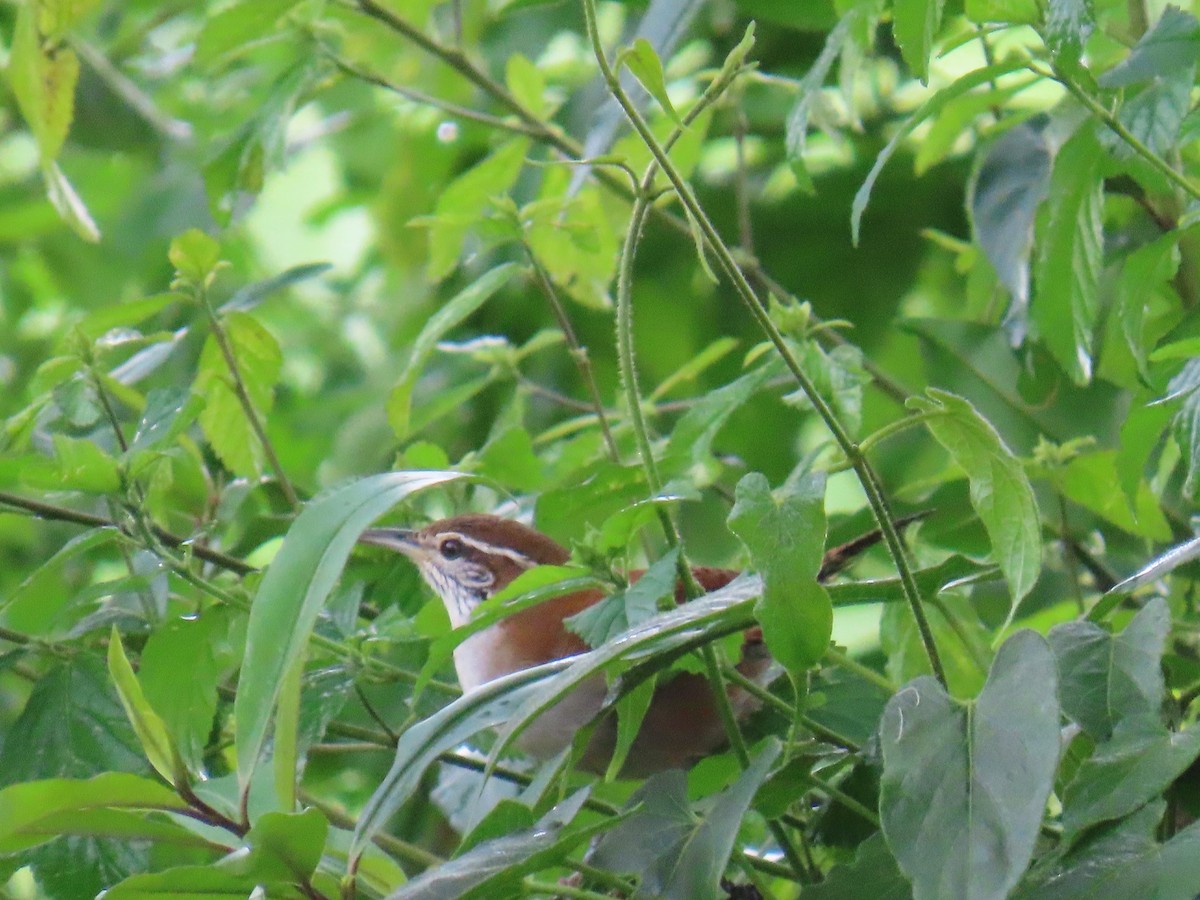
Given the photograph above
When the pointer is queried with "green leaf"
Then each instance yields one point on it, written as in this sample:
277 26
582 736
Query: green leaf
224 419
619 612
1009 188
246 23
873 873
421 745
295 588
915 24
28 809
1186 422
644 63
147 724
784 531
495 867
124 315
82 466
43 75
964 786
1170 46
1071 255
692 437
1000 491
195 256
453 313
726 610
1013 12
283 847
168 413
678 853
207 648
527 84
1104 678
1141 760
462 203
1068 25
67 202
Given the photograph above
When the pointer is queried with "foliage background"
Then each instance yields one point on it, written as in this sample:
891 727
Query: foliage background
361 167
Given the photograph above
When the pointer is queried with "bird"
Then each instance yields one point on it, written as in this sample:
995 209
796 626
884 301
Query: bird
467 558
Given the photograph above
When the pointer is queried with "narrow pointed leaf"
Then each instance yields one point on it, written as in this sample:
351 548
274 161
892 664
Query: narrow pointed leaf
295 588
147 724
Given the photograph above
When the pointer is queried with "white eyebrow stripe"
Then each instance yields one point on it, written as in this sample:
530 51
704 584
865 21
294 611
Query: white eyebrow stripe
519 558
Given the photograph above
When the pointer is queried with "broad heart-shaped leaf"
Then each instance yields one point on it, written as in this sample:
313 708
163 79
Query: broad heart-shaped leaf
453 312
1009 187
1071 256
677 852
493 868
421 745
724 611
1105 677
1000 491
1140 761
784 531
25 807
295 587
915 23
964 786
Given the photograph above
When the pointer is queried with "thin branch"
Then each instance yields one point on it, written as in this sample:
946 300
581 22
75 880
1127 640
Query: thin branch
865 473
243 395
579 352
62 514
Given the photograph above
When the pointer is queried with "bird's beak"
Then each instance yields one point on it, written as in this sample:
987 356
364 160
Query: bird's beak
402 540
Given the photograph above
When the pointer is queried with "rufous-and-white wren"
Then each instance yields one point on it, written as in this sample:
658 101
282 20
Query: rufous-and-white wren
468 558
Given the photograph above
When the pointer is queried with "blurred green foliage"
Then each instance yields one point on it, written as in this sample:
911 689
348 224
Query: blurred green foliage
898 256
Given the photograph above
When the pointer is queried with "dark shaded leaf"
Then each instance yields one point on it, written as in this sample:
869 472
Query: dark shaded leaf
965 785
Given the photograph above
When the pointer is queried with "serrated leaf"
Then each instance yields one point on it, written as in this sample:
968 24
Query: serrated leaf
452 313
1103 677
1000 490
1009 188
873 873
621 611
224 419
1071 256
194 255
784 530
43 77
964 786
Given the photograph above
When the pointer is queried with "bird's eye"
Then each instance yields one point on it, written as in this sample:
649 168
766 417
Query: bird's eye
451 548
